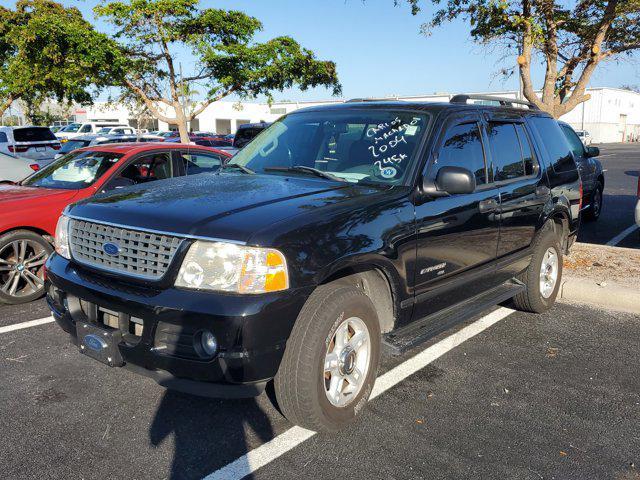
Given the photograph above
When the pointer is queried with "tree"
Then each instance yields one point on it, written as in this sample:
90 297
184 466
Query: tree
570 40
50 51
153 32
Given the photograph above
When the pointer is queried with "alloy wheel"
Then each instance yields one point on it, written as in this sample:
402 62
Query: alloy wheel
548 272
22 268
346 362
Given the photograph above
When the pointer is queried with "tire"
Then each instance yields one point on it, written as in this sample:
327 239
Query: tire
534 299
29 284
595 208
302 382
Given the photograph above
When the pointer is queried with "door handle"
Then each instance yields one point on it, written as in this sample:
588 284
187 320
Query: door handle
486 206
542 190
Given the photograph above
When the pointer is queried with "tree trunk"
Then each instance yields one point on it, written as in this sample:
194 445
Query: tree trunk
6 104
181 121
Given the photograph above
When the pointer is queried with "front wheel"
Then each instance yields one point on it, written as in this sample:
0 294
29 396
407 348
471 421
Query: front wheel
543 276
331 359
22 258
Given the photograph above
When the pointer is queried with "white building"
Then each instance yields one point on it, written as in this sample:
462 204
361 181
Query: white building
610 115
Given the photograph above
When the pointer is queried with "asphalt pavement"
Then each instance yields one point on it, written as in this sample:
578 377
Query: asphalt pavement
622 164
533 396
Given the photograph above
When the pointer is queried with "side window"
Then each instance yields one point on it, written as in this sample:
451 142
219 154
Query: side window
531 166
505 151
555 143
200 162
3 137
574 141
462 147
85 129
156 166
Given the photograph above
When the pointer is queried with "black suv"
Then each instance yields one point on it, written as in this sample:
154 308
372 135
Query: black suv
340 231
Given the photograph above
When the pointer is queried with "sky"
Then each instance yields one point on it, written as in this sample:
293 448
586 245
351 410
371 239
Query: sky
379 50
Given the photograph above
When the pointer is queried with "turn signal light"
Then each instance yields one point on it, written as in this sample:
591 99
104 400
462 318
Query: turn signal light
35 167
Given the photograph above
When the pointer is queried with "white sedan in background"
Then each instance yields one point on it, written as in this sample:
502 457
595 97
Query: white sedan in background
14 169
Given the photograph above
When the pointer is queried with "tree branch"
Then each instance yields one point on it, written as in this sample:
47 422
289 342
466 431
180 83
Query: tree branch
150 103
209 101
7 103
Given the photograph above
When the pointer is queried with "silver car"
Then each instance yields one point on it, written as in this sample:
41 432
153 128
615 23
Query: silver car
14 169
35 143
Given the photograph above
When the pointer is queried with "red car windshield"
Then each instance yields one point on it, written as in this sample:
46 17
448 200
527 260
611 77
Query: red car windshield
74 171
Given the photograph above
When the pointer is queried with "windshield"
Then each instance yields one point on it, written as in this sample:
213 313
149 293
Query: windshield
74 171
369 146
104 130
73 144
72 128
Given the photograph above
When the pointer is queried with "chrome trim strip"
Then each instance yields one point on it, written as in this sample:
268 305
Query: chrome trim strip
159 232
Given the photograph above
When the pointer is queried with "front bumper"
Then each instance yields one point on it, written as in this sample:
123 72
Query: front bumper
158 328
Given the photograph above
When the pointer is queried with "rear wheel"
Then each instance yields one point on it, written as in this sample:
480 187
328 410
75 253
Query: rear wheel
595 208
22 258
331 359
543 275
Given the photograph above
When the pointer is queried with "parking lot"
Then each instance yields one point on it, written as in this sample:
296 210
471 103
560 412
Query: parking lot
506 395
550 396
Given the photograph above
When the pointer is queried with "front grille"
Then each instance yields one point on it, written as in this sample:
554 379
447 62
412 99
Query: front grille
141 254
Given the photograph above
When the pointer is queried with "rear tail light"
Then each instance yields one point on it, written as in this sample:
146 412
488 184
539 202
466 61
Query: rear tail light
581 195
35 167
56 146
638 194
18 148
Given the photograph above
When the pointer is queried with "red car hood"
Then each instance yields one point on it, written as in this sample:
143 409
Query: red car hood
18 193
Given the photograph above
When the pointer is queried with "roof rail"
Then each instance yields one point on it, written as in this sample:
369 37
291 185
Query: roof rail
503 101
381 99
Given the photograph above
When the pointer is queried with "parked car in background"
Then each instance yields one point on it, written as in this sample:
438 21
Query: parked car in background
215 141
247 132
121 130
591 173
35 143
14 168
584 137
30 209
97 139
77 129
55 128
339 231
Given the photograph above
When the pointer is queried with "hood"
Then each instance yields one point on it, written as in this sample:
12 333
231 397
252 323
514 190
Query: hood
19 194
228 206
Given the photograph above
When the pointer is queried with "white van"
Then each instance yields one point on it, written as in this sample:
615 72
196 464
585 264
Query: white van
76 129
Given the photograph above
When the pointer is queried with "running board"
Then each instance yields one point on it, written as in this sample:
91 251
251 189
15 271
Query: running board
405 338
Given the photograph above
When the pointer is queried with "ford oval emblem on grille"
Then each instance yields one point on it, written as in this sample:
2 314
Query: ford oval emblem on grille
95 343
111 249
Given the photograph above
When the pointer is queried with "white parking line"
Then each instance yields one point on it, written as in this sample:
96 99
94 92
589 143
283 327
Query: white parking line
29 324
622 235
268 452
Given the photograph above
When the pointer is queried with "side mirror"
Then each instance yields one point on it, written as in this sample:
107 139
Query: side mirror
449 181
119 182
591 152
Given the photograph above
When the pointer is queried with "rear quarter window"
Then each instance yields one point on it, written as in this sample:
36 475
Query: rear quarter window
555 143
33 134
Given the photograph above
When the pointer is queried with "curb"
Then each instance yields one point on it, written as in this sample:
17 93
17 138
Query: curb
604 294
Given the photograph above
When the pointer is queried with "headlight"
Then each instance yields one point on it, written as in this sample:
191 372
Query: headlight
227 267
62 237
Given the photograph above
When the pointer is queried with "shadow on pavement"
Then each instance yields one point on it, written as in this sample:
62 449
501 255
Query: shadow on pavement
207 433
617 215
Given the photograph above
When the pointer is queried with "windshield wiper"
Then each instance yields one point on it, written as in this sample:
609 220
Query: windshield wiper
242 168
304 169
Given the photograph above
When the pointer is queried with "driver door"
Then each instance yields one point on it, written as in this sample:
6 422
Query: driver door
457 235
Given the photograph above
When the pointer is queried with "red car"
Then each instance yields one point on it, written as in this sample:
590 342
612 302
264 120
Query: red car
29 210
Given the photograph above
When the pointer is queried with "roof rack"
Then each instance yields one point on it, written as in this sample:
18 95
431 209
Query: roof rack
381 99
503 101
